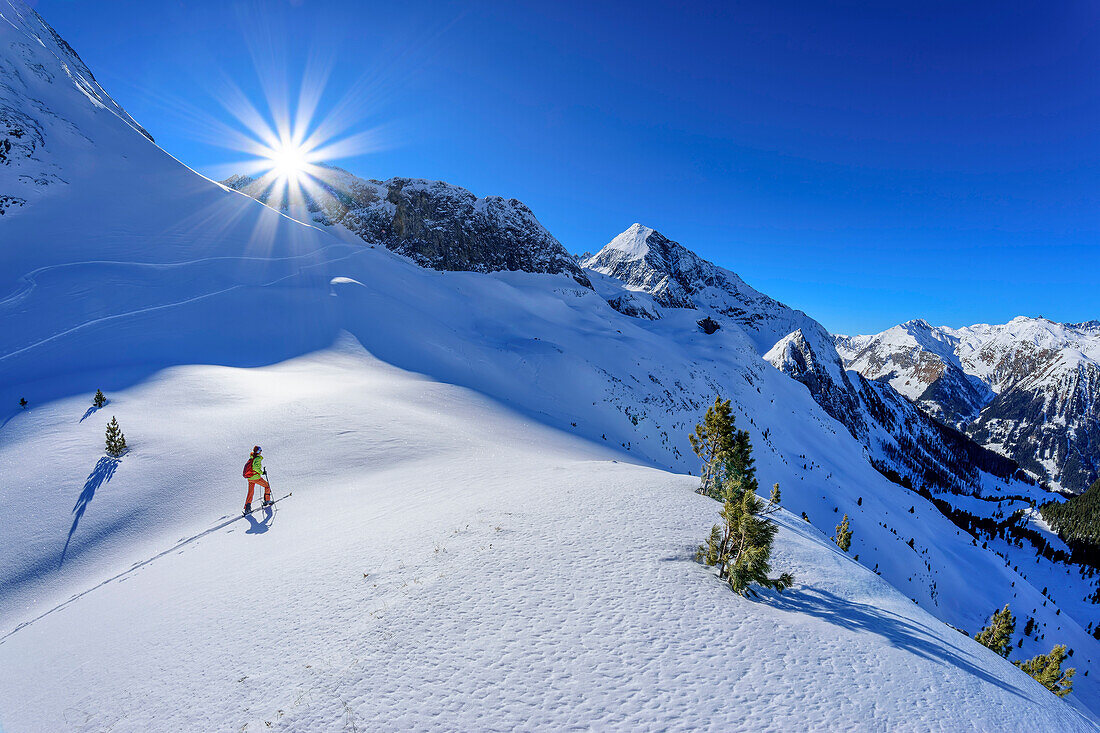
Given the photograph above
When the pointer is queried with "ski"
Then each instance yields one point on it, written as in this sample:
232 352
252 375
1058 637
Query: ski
261 507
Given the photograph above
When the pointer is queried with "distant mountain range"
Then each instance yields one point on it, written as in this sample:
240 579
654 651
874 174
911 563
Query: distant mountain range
1028 388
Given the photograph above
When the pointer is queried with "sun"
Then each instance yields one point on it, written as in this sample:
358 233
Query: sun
289 161
291 147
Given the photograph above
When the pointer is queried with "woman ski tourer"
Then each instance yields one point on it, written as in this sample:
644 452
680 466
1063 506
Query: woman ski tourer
255 472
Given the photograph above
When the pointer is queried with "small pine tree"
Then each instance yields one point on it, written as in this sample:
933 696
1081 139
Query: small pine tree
712 441
741 463
23 402
116 441
99 400
1047 671
741 546
998 634
843 538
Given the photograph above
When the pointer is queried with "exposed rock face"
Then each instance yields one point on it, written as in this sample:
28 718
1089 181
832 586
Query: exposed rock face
823 374
1028 388
899 436
437 225
631 305
896 434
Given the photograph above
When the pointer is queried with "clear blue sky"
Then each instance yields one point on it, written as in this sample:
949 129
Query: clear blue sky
868 162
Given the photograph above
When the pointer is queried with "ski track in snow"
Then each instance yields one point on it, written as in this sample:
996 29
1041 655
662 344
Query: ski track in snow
185 301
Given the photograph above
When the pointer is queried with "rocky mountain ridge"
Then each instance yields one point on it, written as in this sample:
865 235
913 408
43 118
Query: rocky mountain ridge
436 224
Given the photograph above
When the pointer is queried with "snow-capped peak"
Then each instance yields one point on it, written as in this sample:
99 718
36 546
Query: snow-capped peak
646 260
633 243
1016 386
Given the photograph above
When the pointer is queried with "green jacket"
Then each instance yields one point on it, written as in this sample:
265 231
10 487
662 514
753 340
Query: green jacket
257 466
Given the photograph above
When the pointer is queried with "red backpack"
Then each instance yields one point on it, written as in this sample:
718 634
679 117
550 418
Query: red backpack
248 472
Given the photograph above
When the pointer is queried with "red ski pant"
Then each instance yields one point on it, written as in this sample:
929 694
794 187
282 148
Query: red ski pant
252 488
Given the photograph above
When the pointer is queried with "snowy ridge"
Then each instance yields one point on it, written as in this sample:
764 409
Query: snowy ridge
489 490
1027 388
39 131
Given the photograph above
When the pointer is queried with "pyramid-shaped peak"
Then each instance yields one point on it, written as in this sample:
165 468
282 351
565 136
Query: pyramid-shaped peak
634 243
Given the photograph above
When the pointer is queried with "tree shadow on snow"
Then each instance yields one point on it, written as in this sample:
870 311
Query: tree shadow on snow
93 410
900 632
101 474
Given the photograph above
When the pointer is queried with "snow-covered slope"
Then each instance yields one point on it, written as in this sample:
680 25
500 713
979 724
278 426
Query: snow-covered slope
434 223
1028 388
490 525
897 436
446 564
39 72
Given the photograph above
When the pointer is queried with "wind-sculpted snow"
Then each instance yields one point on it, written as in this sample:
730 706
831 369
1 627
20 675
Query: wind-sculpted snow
446 564
434 223
1028 388
490 523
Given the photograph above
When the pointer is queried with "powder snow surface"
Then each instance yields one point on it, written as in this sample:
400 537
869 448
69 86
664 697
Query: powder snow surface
446 564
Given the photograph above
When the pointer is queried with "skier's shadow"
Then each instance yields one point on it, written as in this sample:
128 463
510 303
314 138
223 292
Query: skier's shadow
256 527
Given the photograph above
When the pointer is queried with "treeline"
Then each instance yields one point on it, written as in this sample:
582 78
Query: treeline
984 459
1077 522
1013 528
953 463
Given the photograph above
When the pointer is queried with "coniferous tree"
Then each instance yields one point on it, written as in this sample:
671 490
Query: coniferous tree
1047 670
741 464
23 402
843 538
998 634
741 546
99 400
116 441
713 441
